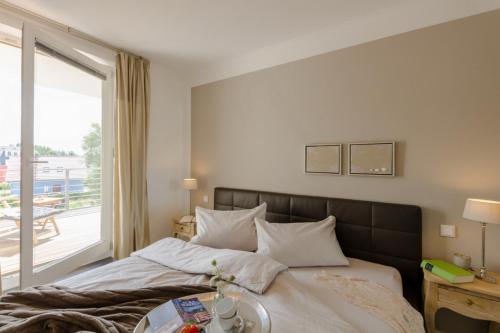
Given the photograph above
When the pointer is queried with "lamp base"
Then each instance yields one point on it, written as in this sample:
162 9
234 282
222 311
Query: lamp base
483 275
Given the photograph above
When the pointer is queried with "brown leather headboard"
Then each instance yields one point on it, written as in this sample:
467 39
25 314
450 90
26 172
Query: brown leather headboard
384 233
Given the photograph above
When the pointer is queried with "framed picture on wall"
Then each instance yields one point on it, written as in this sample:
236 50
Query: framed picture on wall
372 158
323 159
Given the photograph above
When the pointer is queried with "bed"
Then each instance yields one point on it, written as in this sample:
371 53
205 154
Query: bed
282 299
381 240
385 233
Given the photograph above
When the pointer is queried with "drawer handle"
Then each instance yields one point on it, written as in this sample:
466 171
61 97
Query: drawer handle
469 301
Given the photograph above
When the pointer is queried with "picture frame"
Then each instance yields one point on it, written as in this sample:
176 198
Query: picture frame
372 159
323 159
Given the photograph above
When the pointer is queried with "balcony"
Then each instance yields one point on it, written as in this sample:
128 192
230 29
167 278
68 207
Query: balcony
72 195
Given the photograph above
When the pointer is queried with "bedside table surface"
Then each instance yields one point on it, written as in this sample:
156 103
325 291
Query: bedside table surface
477 299
477 286
178 220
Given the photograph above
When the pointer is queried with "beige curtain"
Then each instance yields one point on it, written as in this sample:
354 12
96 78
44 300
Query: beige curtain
131 225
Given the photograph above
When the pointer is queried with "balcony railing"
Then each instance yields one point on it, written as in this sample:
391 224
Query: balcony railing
75 187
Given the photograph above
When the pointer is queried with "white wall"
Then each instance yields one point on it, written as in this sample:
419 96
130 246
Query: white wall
168 152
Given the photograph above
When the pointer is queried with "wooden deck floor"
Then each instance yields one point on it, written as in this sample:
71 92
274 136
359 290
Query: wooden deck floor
78 229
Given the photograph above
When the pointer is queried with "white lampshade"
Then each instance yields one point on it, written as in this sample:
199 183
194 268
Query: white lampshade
480 210
190 184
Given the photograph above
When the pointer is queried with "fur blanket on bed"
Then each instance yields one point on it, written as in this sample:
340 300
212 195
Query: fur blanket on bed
58 309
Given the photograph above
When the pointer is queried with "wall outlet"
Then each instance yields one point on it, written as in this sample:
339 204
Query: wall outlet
205 198
448 230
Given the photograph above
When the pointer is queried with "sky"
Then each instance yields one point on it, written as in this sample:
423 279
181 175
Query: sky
67 101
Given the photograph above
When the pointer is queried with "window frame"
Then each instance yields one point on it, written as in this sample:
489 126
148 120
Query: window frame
103 248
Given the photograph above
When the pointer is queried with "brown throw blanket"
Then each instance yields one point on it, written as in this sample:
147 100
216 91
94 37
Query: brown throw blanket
57 309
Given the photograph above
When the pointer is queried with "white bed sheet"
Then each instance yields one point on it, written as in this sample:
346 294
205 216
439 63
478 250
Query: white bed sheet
356 316
136 272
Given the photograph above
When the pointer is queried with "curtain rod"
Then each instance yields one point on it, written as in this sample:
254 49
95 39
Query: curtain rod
19 11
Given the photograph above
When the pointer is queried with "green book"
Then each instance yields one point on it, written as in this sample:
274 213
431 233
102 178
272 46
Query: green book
447 271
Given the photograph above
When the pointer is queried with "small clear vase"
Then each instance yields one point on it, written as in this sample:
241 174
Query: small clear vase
219 295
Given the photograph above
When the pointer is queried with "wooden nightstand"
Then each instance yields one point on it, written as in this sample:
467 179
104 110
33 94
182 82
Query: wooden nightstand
477 299
184 230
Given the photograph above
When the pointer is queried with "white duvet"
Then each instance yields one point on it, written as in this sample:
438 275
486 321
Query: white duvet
295 300
254 272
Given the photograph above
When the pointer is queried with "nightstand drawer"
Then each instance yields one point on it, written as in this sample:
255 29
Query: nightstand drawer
486 308
184 228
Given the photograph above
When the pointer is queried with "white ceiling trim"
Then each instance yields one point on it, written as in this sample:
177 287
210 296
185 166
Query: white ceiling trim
409 16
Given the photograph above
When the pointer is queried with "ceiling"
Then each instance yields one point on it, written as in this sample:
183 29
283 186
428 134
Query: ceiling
192 35
197 32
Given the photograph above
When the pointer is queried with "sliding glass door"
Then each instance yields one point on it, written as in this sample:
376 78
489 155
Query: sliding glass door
64 161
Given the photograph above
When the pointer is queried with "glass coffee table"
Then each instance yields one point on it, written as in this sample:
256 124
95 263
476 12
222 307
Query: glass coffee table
256 317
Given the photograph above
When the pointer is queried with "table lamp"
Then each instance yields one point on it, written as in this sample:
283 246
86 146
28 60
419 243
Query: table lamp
190 184
483 211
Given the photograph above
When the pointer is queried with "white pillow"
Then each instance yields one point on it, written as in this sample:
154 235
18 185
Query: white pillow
300 244
228 229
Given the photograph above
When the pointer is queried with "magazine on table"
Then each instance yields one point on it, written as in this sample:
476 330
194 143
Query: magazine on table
170 316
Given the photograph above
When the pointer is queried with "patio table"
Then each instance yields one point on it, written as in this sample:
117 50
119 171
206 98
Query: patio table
46 201
41 216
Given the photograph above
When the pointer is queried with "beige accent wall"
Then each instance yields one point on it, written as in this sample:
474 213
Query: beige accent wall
436 91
